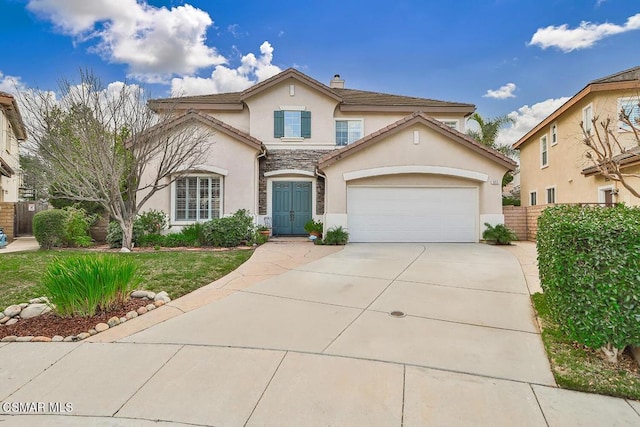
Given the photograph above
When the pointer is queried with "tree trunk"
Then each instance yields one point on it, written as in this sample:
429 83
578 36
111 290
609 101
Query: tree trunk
127 234
611 353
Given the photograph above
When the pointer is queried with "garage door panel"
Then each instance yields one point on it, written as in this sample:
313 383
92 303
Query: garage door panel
412 214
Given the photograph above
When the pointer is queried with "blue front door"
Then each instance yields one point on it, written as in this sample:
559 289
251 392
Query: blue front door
291 207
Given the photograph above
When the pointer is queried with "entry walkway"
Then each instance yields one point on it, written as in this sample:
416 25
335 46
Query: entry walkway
21 244
286 342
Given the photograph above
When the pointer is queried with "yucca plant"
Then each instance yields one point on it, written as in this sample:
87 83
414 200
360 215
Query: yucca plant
86 284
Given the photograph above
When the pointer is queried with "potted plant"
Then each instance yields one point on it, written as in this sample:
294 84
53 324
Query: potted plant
314 228
264 230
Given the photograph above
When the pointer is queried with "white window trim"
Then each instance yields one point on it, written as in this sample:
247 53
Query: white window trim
172 214
444 121
553 126
292 107
584 118
601 191
555 194
347 119
621 128
530 194
544 165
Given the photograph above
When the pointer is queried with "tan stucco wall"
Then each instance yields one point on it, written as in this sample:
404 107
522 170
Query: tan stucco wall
567 158
240 184
237 119
10 153
399 149
263 104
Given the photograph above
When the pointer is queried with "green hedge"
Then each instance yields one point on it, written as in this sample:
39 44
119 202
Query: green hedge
49 228
589 263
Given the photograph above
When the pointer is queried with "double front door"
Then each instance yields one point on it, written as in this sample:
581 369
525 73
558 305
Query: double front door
291 207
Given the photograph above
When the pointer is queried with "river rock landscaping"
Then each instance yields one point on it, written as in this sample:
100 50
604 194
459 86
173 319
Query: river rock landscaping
35 322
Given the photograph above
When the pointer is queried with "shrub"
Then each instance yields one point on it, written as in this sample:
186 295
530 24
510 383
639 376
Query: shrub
336 236
85 284
193 234
500 234
174 240
149 240
510 201
314 227
152 221
228 231
76 227
114 234
589 262
49 228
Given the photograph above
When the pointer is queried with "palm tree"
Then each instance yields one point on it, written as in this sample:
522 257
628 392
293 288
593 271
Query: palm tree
488 133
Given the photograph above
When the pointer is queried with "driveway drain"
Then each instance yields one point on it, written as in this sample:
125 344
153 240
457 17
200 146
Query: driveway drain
397 313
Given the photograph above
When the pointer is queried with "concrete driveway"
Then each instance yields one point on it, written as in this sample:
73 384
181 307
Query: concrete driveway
467 310
316 345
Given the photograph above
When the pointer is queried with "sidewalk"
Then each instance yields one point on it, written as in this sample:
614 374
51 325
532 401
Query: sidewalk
21 244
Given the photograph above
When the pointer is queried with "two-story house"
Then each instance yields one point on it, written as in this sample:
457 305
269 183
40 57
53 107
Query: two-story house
12 132
388 168
554 167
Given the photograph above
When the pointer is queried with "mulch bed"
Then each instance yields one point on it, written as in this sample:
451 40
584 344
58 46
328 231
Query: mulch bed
49 325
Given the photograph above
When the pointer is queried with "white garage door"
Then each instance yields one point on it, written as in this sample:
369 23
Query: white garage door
412 214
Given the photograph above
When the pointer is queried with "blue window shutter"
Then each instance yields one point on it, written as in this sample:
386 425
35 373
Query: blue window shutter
278 124
306 124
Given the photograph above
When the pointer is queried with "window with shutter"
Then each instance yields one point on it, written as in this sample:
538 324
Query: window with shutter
278 124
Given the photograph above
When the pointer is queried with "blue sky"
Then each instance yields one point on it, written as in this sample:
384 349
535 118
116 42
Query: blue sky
518 57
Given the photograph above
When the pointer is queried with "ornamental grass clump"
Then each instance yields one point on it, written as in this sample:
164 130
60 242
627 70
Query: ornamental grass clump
589 263
86 284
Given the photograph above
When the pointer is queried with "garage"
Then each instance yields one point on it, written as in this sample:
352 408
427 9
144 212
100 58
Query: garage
412 214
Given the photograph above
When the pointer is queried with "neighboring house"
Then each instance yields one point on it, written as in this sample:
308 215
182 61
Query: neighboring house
553 164
12 132
388 168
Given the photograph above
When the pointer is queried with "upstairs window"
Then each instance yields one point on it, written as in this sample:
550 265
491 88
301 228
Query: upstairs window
544 152
291 124
631 107
587 118
453 124
533 198
348 131
554 134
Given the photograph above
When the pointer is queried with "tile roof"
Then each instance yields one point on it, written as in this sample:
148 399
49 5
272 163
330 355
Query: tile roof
349 97
362 97
9 104
628 158
622 76
336 155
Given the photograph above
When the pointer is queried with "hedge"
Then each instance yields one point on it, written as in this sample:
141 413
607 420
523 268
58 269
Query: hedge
49 228
589 264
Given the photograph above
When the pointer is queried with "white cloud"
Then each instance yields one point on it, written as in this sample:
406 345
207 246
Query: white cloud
526 118
154 42
584 36
11 84
504 92
252 70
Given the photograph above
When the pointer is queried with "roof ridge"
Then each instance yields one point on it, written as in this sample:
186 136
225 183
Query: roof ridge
619 73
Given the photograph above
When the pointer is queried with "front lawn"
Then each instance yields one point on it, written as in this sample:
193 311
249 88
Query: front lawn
576 367
176 272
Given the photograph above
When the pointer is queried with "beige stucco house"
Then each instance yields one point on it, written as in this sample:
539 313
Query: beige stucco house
554 167
12 132
388 168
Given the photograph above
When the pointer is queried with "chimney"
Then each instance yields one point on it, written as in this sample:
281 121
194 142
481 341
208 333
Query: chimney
336 82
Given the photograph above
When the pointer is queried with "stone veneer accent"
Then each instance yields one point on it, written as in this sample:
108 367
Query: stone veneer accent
306 160
7 215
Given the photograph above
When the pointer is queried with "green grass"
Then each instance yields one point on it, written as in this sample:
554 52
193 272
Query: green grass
178 273
576 367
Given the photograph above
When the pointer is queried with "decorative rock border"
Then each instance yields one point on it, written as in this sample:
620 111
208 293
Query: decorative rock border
39 306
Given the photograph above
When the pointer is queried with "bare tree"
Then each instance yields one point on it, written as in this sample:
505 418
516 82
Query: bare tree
609 154
105 145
